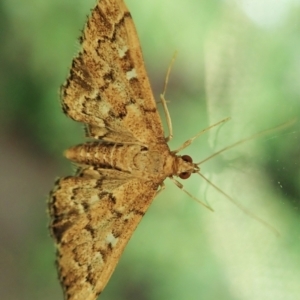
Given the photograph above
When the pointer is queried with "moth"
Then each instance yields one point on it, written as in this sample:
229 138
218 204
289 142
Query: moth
123 166
95 212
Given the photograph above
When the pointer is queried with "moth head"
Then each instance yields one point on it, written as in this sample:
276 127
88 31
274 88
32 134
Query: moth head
185 167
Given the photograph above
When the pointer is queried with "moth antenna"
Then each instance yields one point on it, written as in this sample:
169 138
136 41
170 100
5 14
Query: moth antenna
188 142
197 200
241 207
164 101
254 136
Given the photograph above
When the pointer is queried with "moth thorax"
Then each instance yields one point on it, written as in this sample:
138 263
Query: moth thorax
151 162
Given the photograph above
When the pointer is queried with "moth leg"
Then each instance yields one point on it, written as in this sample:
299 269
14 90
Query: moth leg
162 187
182 188
164 101
168 118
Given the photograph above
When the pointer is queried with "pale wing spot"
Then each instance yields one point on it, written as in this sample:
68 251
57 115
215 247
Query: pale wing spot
133 109
94 94
98 257
105 108
128 216
101 123
122 51
131 74
94 198
81 209
111 240
121 209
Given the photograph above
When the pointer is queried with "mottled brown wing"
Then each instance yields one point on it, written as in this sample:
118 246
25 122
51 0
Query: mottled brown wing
108 87
93 217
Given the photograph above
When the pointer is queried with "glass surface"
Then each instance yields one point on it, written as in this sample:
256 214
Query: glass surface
237 59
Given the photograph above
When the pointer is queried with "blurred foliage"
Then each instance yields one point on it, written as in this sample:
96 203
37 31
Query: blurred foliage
235 59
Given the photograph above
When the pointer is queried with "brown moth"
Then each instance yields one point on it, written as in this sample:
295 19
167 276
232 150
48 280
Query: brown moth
95 212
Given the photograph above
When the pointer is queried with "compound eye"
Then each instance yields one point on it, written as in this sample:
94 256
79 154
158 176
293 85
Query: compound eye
184 175
187 158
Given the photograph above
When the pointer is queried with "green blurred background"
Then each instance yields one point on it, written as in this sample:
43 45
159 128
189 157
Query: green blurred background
238 59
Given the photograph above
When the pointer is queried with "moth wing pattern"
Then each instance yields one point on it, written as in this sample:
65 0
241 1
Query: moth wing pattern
108 88
94 215
95 212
